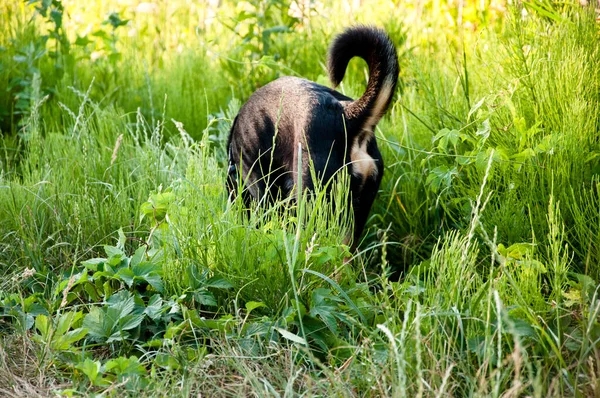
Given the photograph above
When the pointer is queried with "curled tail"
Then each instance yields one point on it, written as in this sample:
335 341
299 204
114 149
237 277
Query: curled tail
376 48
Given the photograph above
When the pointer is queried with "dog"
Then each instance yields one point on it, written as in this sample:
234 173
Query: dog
293 117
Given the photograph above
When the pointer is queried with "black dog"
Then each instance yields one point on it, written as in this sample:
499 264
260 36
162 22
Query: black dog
330 128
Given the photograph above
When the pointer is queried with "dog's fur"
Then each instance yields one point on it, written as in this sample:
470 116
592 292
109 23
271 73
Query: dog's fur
334 130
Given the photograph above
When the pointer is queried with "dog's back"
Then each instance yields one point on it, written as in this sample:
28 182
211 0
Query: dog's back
331 129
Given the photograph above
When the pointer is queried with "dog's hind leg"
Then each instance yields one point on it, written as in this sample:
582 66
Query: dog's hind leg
232 181
361 206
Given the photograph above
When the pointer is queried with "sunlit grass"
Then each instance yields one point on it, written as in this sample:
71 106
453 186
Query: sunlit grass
487 218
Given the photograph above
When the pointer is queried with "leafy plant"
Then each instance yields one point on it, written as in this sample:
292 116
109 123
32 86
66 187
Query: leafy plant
60 333
113 321
257 23
53 11
22 311
127 371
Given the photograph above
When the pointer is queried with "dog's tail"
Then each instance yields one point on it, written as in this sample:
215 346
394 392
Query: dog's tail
376 48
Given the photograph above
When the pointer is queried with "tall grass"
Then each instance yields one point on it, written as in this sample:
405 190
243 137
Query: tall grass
487 217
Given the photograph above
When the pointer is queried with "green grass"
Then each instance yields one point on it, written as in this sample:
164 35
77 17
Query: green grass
125 269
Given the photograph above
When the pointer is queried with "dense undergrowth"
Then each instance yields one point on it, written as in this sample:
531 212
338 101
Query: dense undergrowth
126 270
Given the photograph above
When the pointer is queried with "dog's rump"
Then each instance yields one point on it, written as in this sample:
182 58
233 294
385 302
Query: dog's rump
282 113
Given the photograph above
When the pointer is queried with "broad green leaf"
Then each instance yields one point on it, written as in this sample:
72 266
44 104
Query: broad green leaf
43 324
441 177
130 321
93 263
155 281
517 250
252 305
291 336
66 321
122 239
123 366
325 313
122 302
524 155
112 251
520 327
445 136
138 256
158 205
145 268
66 341
150 273
91 291
93 370
111 322
94 323
155 307
205 297
218 283
126 275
